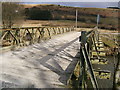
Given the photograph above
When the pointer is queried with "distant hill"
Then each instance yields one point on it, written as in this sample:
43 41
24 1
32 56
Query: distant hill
108 17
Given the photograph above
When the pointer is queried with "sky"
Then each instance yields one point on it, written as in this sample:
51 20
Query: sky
73 3
81 4
62 0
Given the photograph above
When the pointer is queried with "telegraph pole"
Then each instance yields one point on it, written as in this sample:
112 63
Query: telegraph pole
76 17
98 19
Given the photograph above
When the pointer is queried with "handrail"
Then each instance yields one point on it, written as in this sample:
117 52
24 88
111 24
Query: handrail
14 28
29 35
85 58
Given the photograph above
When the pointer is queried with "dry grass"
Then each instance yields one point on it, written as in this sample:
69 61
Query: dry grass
107 31
56 23
109 42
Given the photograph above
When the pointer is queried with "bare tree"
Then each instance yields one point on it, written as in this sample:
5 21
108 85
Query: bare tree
11 13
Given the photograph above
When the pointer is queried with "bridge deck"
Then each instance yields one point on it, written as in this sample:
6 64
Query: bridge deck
44 65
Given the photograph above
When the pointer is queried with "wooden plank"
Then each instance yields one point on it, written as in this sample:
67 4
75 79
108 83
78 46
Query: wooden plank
49 32
14 37
31 40
3 35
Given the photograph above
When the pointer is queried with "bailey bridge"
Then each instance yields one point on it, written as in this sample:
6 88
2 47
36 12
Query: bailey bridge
54 57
